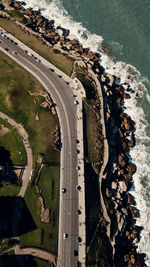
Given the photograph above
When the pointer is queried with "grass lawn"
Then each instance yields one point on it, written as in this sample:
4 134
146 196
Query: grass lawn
61 61
9 190
93 148
45 236
17 103
41 263
17 15
13 143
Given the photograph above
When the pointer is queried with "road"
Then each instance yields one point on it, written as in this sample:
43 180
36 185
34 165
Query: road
62 95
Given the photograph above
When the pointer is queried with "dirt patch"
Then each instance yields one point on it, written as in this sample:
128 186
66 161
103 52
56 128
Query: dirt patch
4 130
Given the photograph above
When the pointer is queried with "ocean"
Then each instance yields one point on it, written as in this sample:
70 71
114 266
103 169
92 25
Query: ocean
122 26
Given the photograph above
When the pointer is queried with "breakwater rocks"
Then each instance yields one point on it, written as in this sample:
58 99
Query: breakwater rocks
120 128
120 204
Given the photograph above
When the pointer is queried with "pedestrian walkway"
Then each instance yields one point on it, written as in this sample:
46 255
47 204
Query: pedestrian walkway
80 93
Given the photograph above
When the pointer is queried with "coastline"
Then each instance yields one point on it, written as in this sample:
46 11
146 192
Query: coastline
112 93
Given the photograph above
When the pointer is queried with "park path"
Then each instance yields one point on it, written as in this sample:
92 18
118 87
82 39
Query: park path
28 168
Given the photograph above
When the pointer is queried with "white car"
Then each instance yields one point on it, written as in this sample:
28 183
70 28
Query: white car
76 102
14 52
77 167
65 235
38 60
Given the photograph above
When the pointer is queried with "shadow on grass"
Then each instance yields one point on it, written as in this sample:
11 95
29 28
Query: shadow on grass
7 174
20 260
92 201
13 210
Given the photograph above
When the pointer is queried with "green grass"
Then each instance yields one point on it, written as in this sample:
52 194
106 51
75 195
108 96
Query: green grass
45 236
41 263
9 190
91 93
61 61
13 143
17 15
93 138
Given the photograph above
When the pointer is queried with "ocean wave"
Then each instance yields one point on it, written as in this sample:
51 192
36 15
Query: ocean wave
127 74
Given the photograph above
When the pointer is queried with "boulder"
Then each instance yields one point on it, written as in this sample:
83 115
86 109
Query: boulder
131 168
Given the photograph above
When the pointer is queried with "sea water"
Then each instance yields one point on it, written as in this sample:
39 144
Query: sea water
123 26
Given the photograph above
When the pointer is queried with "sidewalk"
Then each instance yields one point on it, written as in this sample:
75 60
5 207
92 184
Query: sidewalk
80 93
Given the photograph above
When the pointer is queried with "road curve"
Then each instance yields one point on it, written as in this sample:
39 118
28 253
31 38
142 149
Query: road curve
62 95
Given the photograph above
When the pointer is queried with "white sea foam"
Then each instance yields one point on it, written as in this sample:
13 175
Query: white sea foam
127 74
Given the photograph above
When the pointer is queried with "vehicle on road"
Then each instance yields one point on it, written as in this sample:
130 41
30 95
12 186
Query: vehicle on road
79 239
65 235
76 102
75 253
78 151
6 49
14 52
63 190
25 51
77 141
51 69
77 167
38 60
78 212
78 187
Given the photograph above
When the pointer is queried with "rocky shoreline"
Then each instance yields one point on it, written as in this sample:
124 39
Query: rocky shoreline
120 204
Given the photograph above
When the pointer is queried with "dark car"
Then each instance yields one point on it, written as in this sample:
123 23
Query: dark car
51 69
75 253
78 212
79 239
63 190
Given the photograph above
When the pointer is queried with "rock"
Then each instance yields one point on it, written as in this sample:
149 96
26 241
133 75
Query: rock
126 96
37 117
134 212
131 169
131 200
111 79
46 216
103 78
114 185
126 257
122 186
121 161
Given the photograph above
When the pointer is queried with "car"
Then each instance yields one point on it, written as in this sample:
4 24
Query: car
77 141
78 151
63 190
75 253
6 49
14 52
25 51
78 212
78 187
38 60
77 167
15 43
65 235
59 75
30 54
51 69
76 102
79 239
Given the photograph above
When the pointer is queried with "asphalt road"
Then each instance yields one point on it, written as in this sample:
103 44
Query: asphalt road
62 95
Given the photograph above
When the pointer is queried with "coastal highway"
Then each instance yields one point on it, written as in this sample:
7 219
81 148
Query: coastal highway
62 95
